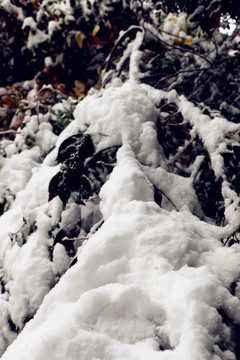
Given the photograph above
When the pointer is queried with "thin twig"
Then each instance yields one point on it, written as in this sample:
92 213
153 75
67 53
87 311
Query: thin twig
236 31
75 239
105 164
171 34
155 33
95 227
181 152
179 37
215 44
119 41
93 198
170 116
231 132
177 124
99 152
228 238
169 199
7 132
145 77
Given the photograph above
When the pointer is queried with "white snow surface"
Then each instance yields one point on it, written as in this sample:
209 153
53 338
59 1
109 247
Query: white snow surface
149 282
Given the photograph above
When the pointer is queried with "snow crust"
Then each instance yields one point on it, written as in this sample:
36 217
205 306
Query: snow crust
151 281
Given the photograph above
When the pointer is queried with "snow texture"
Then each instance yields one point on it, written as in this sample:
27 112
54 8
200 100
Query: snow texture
150 283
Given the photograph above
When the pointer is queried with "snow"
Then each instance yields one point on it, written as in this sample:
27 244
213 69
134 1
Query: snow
52 27
18 167
151 282
135 117
175 28
35 35
29 22
211 131
148 278
9 7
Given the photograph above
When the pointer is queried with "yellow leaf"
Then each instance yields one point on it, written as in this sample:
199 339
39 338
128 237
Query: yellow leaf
175 41
172 19
79 40
188 41
95 30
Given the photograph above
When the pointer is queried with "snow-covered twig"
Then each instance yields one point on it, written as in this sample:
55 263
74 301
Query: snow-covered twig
106 164
8 132
93 198
123 35
75 239
232 132
95 227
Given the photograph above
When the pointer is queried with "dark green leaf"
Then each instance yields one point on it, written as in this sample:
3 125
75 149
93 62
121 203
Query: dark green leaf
78 145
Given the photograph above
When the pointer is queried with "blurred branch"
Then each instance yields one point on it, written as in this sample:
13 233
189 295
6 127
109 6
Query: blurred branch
7 132
151 76
179 154
155 33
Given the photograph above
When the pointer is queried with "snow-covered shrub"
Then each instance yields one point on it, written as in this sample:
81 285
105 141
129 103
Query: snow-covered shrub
119 204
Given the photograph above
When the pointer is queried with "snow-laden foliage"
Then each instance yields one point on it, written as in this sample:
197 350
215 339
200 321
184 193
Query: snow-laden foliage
120 210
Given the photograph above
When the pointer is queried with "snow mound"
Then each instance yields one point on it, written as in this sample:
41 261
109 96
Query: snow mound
150 283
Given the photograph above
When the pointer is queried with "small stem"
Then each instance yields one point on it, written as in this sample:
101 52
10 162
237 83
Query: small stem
106 164
233 234
120 40
225 243
95 227
75 239
99 152
232 132
166 104
93 198
223 222
169 199
180 124
181 152
2 133
196 69
155 33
